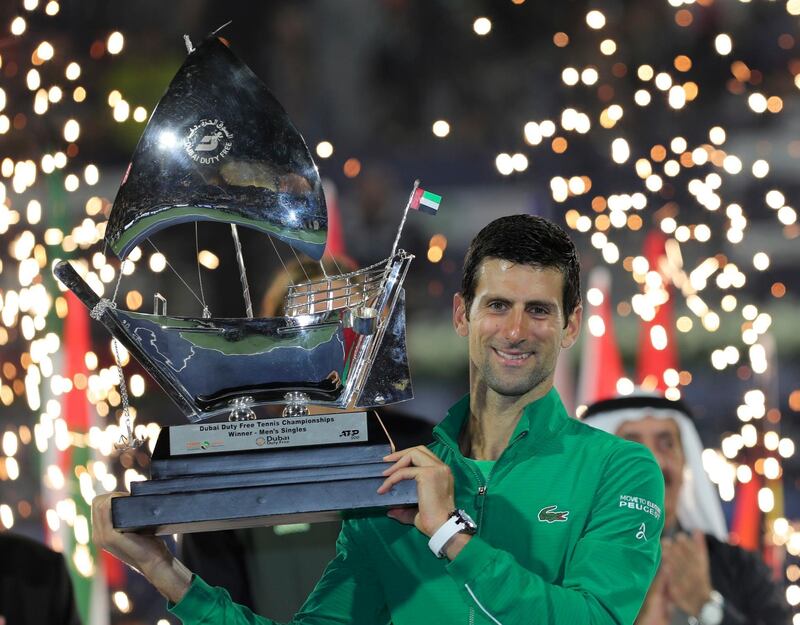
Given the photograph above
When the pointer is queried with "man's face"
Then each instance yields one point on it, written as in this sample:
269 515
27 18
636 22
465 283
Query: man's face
662 437
515 327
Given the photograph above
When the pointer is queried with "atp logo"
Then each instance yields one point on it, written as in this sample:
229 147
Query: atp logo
549 514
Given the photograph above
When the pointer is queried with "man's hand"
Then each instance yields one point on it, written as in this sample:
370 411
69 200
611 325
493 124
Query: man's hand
685 563
434 488
147 554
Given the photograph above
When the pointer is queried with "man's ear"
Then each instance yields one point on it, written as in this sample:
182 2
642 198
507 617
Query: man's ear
460 321
573 329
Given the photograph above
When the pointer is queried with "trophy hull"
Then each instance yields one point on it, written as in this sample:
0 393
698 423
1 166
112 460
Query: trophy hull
194 487
217 360
204 365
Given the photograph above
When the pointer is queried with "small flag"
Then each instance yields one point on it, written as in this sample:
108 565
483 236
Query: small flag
425 201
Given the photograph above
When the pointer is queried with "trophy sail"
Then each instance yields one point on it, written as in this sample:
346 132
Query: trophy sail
220 147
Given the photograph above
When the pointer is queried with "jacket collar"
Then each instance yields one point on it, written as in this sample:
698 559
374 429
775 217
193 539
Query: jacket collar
539 420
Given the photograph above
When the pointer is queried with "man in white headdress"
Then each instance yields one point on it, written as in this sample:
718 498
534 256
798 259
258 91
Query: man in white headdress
702 579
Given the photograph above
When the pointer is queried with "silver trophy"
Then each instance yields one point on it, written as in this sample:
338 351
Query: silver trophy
219 147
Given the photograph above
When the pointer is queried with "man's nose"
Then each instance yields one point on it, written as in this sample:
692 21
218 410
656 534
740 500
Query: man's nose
515 325
663 460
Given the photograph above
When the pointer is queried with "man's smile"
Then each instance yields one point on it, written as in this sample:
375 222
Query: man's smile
512 357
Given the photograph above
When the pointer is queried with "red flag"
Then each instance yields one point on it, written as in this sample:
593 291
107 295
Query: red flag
657 347
601 364
76 344
746 526
335 246
77 341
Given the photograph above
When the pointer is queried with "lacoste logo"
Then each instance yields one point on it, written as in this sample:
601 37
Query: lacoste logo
549 514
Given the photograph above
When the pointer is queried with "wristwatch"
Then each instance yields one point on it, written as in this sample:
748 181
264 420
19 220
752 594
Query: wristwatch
712 611
459 522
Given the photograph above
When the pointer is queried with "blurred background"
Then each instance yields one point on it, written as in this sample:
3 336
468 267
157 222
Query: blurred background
663 135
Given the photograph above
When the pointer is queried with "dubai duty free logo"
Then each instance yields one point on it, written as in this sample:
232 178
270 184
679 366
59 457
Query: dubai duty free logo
208 141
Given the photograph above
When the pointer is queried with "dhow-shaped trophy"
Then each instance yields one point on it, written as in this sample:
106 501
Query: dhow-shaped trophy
219 147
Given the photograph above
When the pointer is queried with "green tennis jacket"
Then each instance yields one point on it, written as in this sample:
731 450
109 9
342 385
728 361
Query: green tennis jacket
569 521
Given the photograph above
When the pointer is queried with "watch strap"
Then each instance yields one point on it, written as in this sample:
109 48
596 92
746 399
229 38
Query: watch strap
445 534
459 522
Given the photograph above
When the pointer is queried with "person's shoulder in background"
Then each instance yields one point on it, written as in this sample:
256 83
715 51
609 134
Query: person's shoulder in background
35 586
746 584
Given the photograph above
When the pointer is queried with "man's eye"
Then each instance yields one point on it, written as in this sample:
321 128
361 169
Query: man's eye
540 311
497 306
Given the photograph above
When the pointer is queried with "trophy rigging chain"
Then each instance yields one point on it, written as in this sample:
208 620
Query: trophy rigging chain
125 442
129 441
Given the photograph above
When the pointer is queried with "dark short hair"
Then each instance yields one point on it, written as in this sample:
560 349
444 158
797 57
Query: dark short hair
527 240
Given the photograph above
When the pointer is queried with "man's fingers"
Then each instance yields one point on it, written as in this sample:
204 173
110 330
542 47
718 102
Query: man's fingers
404 461
403 515
101 514
682 547
699 542
420 455
407 473
414 456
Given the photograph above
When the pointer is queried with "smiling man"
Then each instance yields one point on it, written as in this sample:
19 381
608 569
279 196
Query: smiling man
525 514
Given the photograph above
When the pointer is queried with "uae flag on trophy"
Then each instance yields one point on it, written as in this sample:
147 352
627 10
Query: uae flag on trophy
425 201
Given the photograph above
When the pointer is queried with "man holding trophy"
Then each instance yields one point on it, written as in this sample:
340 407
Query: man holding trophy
522 514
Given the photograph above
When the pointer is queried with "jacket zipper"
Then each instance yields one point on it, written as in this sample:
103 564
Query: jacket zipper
480 496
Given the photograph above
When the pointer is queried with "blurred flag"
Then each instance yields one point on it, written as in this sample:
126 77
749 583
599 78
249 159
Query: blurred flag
425 201
657 347
601 363
73 461
746 530
335 246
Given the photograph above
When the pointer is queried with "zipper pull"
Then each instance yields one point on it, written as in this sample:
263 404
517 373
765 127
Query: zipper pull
479 497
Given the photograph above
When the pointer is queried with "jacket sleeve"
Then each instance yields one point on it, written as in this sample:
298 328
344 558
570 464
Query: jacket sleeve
608 571
348 592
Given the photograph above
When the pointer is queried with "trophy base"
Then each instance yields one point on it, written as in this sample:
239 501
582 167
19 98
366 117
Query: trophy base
216 490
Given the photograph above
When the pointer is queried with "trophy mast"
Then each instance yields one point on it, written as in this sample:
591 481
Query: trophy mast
242 271
403 221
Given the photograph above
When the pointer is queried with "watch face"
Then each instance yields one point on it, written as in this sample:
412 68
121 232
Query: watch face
469 525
